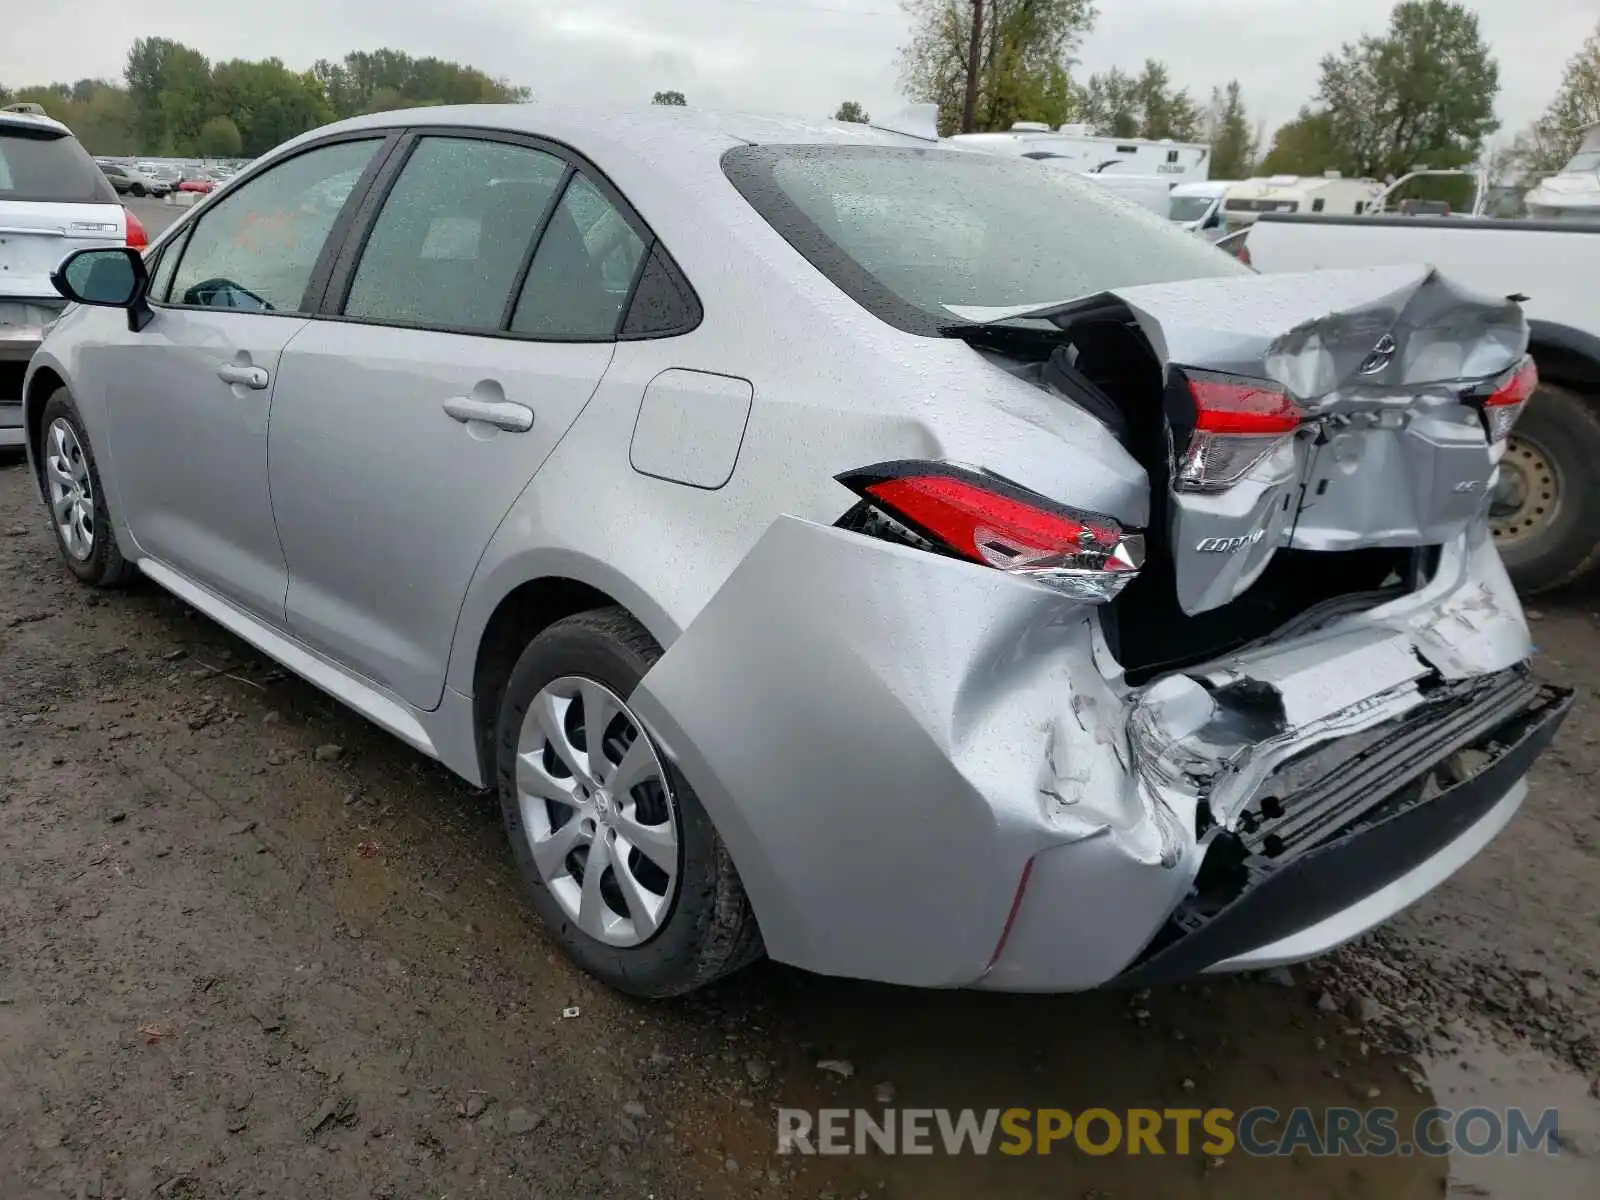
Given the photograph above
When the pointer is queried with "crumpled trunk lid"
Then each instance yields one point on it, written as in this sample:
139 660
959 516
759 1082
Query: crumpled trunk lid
1385 368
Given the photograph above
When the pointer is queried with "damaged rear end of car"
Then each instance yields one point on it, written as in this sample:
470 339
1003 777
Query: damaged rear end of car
973 734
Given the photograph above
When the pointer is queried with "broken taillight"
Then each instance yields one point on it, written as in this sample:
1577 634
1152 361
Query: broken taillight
985 519
1504 405
1234 423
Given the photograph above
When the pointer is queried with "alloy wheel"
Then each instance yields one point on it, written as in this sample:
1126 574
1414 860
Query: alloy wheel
598 811
71 490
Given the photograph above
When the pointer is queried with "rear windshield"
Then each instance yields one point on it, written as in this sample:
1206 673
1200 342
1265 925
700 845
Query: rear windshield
46 165
906 231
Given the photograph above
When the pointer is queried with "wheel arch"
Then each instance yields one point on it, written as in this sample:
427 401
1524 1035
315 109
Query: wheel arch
43 384
1565 356
525 605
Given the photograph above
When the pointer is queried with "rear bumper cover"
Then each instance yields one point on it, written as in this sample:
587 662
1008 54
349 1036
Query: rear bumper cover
890 743
1269 905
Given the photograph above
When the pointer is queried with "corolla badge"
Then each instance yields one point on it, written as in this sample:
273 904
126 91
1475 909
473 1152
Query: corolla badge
1229 545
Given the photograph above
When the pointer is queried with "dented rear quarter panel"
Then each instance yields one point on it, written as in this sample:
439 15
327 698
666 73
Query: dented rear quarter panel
885 739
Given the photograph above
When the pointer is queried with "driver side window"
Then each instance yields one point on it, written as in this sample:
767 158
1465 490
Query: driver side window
257 249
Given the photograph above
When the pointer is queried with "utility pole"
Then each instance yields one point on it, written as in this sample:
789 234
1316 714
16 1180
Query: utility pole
969 109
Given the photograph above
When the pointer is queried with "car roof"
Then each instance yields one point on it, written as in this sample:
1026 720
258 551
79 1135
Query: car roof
31 121
661 123
656 134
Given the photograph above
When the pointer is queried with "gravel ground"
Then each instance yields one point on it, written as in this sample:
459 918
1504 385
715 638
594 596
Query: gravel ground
252 947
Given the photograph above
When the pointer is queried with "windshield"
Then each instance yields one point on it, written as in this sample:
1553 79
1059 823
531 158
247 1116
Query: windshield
1190 208
44 165
1588 161
906 232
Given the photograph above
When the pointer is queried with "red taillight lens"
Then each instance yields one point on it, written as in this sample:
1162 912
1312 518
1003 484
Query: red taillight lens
137 237
1505 404
1225 405
988 520
1237 423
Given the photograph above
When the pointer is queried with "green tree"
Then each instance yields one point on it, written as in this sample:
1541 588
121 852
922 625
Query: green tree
219 138
380 80
1111 104
99 113
1305 146
1144 106
267 102
169 85
1025 52
1234 144
1553 139
1168 110
672 99
852 112
1421 95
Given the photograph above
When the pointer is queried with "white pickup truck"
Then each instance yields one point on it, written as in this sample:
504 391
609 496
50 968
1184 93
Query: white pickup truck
1545 511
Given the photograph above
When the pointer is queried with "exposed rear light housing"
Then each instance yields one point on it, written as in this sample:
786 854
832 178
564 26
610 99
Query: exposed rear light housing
1233 424
988 520
1510 396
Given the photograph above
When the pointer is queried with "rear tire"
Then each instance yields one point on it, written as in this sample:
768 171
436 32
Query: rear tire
1546 516
704 928
137 189
79 516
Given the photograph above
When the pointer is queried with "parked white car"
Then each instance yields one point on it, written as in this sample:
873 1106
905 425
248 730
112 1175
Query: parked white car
53 200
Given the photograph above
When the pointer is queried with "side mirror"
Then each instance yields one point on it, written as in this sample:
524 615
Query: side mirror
106 277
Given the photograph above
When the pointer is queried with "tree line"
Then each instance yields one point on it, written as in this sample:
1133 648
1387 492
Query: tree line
173 101
1421 93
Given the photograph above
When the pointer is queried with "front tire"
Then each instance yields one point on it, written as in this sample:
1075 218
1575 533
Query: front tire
581 782
78 512
137 189
1545 513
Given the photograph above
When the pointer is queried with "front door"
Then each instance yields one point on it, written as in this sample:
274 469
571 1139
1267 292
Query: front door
478 321
193 392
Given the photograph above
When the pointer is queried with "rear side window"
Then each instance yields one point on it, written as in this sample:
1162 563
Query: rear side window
583 271
46 165
906 232
453 234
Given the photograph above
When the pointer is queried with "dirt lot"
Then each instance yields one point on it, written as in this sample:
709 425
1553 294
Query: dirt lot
250 946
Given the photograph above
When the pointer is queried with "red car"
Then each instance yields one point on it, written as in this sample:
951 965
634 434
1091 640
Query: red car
197 185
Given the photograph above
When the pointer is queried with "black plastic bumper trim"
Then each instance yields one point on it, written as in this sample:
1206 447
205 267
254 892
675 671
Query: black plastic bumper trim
1323 881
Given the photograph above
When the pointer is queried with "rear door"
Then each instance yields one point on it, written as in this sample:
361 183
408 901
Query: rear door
53 200
468 324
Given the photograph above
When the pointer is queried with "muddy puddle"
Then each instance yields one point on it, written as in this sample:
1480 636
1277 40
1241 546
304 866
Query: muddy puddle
1481 1074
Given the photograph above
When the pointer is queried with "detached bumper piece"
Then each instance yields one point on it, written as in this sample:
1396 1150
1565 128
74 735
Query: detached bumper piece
1340 822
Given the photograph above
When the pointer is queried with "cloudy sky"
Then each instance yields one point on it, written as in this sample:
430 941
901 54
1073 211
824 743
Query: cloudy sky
799 56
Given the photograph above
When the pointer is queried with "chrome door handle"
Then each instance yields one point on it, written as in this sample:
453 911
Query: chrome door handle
250 377
502 414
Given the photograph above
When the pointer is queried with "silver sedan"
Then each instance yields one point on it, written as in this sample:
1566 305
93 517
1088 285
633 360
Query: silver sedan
911 563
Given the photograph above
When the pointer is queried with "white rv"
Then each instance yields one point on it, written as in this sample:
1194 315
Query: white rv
1331 194
1178 162
1573 193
